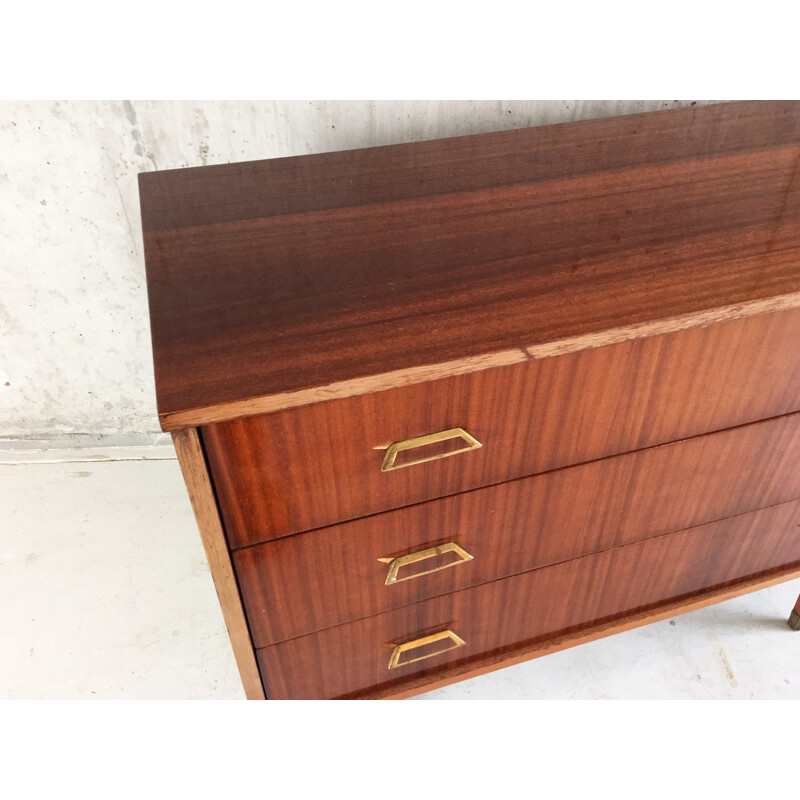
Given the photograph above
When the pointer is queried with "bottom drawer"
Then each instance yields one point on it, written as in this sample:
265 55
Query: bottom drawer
429 638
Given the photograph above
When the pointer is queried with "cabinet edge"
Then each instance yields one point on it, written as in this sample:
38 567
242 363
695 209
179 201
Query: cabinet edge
170 421
201 493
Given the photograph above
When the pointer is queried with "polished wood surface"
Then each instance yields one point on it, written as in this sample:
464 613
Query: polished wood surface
201 494
308 467
277 278
517 655
610 311
536 606
304 583
197 196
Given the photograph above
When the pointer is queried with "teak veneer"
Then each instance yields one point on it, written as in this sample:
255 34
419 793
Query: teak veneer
283 282
520 610
517 526
538 416
444 406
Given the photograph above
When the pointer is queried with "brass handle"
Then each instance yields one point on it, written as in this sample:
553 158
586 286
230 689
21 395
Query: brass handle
396 564
422 441
400 649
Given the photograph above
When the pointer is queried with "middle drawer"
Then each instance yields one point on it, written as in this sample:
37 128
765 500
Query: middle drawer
312 581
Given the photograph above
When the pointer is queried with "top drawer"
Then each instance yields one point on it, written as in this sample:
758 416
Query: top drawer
307 467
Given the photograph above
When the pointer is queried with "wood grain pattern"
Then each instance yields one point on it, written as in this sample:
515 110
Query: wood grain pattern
536 606
491 662
201 494
282 277
308 467
462 366
197 196
305 583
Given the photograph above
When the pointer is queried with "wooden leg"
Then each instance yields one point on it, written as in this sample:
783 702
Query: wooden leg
794 617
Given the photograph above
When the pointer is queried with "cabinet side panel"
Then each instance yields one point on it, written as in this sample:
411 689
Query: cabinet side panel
201 494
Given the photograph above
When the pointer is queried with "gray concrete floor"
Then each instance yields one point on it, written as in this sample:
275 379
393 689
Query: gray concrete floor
105 593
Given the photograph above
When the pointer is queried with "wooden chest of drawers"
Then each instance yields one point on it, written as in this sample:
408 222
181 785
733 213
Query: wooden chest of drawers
445 406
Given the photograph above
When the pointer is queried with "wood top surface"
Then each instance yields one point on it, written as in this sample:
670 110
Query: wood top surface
287 281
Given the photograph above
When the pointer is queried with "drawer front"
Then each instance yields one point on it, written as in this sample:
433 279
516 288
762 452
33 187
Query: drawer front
535 606
317 465
305 583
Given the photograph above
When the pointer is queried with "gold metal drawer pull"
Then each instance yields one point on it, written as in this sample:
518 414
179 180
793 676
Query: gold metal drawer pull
421 441
397 653
396 564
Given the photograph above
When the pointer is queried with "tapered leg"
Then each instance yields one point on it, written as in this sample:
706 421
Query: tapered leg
794 617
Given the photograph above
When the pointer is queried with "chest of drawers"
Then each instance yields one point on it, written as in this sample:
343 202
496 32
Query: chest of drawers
446 406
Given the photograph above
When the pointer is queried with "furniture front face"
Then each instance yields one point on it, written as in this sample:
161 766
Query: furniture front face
372 555
501 617
308 582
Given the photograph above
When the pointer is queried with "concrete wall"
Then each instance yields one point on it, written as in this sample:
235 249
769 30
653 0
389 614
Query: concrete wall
75 358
